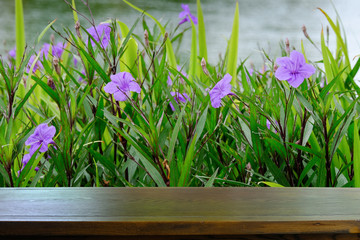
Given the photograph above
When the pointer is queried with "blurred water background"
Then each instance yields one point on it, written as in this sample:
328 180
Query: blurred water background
263 23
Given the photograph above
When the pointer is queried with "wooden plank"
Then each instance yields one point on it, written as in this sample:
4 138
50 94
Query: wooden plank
187 212
195 237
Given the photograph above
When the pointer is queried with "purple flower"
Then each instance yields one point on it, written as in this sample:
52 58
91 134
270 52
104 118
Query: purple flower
75 61
221 89
26 158
42 136
293 69
37 65
25 161
102 31
169 81
184 15
178 97
268 124
81 78
248 76
12 53
121 85
56 50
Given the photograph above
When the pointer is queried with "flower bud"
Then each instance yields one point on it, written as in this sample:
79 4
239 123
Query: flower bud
52 39
56 65
327 34
146 37
51 83
248 167
203 65
275 67
166 35
77 29
305 32
287 46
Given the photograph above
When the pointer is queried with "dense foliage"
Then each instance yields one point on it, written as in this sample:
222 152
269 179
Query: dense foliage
104 106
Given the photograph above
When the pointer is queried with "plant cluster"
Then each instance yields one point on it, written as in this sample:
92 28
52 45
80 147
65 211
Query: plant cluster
107 107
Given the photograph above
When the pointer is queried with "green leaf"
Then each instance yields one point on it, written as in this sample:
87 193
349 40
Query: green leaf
306 149
210 182
231 66
307 168
76 18
326 61
23 101
193 54
154 173
276 172
272 184
202 32
186 168
168 45
44 31
20 31
174 136
95 65
356 153
339 37
129 59
54 95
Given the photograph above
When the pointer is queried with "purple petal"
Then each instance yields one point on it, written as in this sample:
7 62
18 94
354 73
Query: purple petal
268 124
48 132
297 59
111 87
102 31
58 49
31 140
220 90
81 76
185 14
44 148
134 87
34 147
215 102
44 52
186 97
193 18
26 158
121 85
306 70
119 96
284 62
296 80
12 53
169 81
183 21
172 106
283 73
185 7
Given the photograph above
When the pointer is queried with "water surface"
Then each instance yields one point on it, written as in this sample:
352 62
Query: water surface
263 23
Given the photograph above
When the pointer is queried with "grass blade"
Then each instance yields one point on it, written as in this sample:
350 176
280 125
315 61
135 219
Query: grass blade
231 66
20 31
356 156
202 32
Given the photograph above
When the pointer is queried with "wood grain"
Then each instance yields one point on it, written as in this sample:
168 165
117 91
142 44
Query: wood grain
180 213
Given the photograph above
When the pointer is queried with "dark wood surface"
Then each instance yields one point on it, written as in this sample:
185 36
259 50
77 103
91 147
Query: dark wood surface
180 213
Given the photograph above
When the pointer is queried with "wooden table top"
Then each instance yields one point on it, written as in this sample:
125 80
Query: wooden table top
178 211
